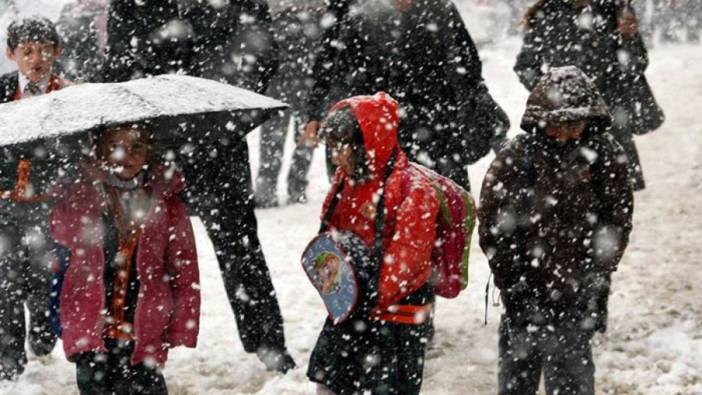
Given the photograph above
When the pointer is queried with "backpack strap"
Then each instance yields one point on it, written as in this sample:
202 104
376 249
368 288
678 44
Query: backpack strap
377 252
324 226
377 248
380 209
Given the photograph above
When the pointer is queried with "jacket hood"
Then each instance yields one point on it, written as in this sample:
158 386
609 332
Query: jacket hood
165 182
564 94
378 120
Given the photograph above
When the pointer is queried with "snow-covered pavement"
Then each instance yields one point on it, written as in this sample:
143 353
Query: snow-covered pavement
654 342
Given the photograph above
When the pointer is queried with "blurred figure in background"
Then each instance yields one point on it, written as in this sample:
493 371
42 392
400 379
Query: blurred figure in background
601 38
297 30
83 26
420 52
26 173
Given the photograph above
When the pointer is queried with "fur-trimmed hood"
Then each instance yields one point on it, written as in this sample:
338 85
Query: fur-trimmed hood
564 94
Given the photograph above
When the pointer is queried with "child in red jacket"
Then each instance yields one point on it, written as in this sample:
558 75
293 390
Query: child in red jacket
131 288
383 351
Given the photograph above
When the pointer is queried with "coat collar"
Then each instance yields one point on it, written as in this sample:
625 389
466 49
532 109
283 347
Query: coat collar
49 84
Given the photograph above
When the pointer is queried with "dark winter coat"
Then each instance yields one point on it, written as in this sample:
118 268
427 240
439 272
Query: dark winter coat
555 218
168 308
233 43
426 58
82 26
135 47
559 34
296 25
339 359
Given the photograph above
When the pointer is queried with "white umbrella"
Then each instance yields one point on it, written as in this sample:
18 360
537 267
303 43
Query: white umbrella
185 107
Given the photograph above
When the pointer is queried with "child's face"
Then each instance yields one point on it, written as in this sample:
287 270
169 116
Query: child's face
565 131
124 150
34 59
342 156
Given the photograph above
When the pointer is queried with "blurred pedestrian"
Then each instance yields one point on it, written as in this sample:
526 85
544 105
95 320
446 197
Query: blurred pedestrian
601 38
418 51
83 27
297 30
25 174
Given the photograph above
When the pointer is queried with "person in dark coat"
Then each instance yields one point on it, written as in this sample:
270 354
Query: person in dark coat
26 171
326 88
139 41
555 217
421 52
232 44
297 29
83 27
381 350
601 38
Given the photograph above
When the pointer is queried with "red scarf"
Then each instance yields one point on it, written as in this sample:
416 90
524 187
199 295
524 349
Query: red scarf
128 231
24 166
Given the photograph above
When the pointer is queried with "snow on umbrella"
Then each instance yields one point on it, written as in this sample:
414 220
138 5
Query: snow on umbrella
186 107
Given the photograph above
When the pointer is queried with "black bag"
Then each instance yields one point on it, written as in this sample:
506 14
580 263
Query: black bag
479 128
645 114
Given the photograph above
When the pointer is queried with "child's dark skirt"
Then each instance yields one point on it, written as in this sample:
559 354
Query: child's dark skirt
358 356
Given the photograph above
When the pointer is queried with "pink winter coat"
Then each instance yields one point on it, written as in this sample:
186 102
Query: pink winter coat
168 308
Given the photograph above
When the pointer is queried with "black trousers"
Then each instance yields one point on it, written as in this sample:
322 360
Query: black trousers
273 134
219 191
112 373
370 357
562 353
24 280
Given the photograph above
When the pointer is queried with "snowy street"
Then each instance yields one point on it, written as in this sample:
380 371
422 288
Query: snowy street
654 341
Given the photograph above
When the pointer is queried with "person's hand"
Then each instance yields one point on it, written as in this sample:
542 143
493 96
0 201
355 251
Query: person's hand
309 135
628 25
92 171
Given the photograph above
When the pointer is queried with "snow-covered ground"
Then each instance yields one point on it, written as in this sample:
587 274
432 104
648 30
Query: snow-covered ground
654 342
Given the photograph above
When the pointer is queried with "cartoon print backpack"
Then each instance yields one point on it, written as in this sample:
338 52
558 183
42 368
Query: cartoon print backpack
328 260
454 230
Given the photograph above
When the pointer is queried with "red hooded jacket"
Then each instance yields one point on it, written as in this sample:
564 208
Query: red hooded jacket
411 203
168 308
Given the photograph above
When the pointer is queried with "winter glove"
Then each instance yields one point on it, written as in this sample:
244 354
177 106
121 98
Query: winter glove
597 291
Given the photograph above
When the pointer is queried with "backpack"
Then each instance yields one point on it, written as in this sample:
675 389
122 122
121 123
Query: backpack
454 230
